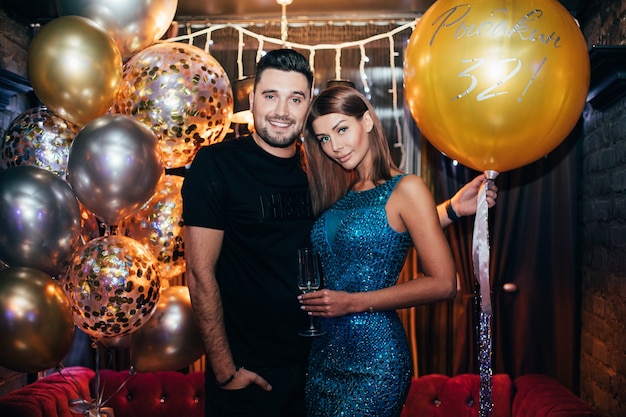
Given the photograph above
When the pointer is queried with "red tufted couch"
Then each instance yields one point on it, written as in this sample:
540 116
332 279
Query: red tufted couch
167 394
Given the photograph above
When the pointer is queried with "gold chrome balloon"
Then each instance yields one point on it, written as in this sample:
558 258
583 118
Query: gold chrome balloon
496 84
133 24
170 339
75 68
118 343
182 93
35 320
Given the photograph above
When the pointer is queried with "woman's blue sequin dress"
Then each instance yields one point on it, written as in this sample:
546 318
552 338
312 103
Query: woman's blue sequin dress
361 366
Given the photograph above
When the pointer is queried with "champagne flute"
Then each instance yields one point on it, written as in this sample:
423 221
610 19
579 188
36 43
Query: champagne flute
308 281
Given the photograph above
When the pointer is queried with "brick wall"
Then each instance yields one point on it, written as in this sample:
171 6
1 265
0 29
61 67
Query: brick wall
603 347
14 39
13 52
603 350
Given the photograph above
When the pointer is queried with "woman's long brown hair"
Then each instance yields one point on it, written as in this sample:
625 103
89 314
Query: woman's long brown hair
328 180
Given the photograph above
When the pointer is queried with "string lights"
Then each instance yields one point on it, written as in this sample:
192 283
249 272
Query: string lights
242 30
283 19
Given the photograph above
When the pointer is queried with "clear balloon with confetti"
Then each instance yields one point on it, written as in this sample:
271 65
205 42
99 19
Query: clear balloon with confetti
182 93
113 284
158 225
38 137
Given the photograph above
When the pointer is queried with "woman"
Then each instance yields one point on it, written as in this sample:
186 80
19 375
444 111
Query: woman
370 214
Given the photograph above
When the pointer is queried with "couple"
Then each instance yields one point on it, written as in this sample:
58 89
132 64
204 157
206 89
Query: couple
250 203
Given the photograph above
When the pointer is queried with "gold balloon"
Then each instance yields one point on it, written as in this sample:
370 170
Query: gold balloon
158 225
35 320
170 339
496 84
75 68
118 343
182 93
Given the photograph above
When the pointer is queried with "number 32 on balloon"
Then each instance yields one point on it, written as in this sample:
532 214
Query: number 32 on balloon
494 71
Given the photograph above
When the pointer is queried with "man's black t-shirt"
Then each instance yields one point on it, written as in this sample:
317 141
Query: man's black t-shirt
262 204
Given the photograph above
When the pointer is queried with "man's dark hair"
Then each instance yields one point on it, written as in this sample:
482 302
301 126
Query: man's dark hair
284 60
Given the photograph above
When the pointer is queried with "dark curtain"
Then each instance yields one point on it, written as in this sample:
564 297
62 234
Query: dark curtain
533 250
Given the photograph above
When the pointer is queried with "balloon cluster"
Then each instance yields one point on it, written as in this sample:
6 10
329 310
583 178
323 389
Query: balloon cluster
91 160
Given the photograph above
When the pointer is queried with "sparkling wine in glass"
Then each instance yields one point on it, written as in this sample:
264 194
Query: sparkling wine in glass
308 281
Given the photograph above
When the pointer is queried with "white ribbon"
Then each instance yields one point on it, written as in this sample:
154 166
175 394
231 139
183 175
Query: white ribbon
480 243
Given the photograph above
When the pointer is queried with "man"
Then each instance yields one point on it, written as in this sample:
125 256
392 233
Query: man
247 210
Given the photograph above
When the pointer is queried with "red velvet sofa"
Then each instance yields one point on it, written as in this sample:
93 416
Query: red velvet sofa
167 394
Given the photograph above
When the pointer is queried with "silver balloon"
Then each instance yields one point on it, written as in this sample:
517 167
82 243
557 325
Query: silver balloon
133 24
114 166
39 219
170 339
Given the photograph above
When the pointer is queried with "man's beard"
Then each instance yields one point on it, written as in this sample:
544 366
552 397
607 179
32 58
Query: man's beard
277 142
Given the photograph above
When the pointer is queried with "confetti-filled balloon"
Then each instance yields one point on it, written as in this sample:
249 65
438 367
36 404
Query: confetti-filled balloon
114 166
182 93
35 320
170 340
133 24
75 68
38 137
113 285
158 225
39 219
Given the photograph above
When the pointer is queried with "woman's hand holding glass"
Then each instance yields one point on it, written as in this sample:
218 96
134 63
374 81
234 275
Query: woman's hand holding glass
309 280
